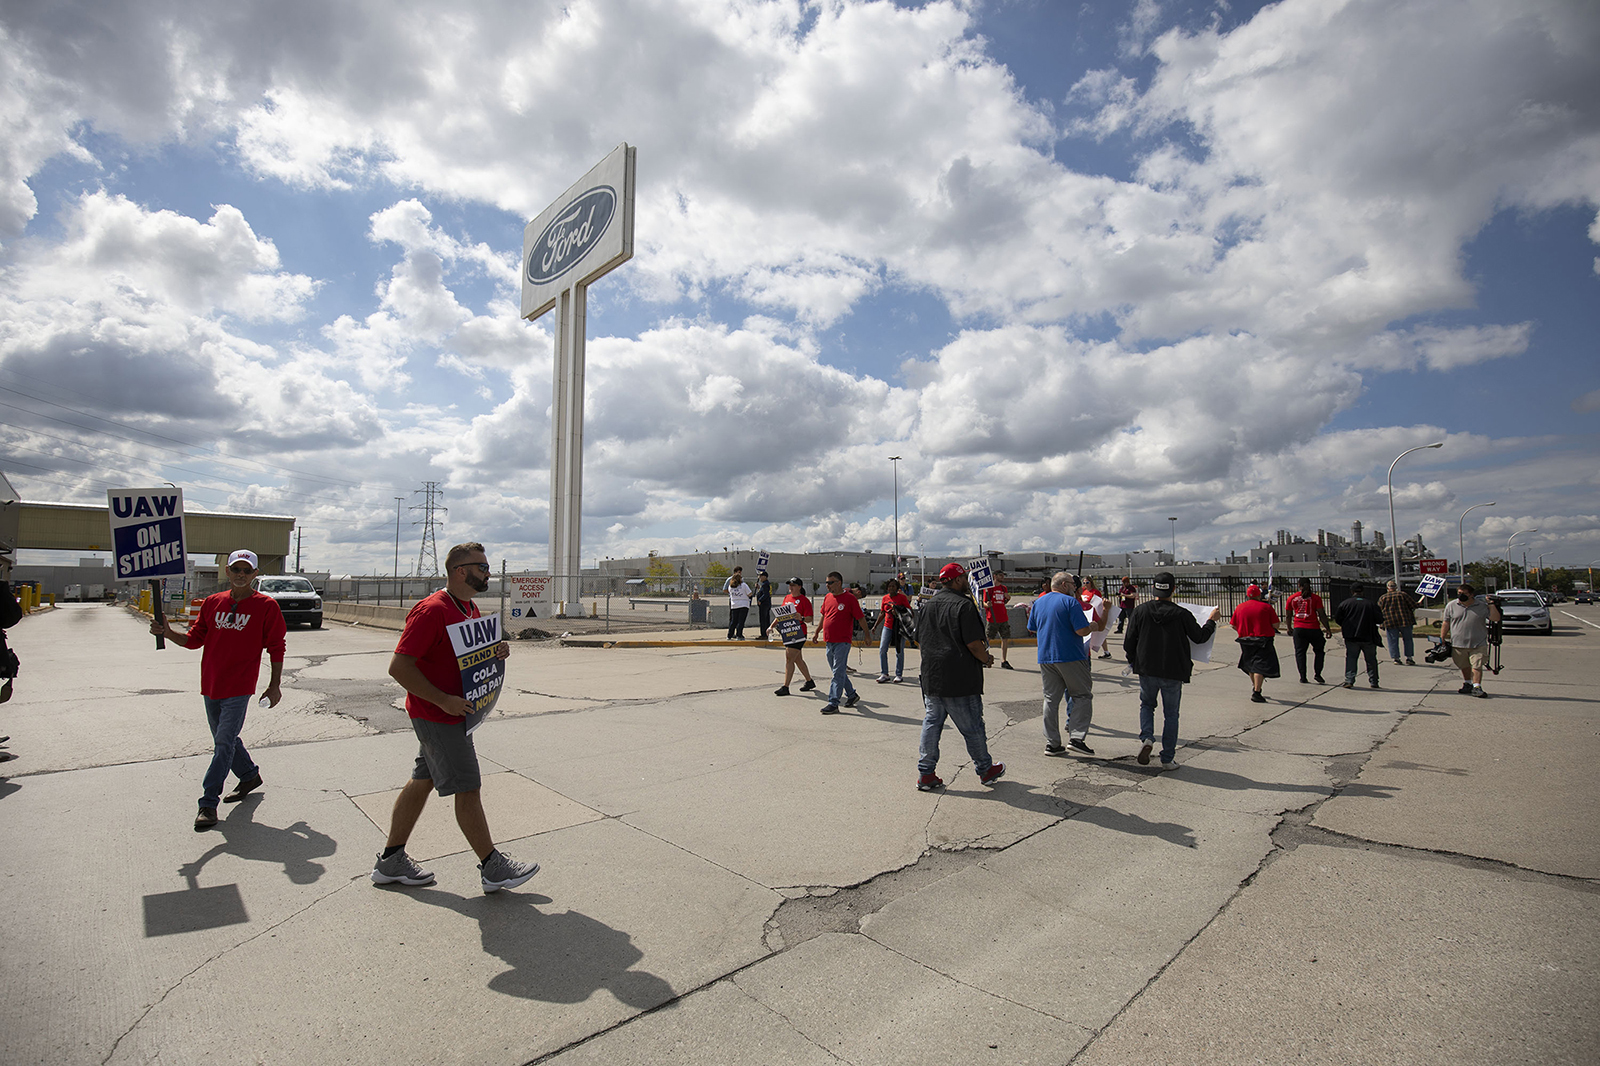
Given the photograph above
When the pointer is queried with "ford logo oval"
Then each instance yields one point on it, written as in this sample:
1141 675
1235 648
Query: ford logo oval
567 239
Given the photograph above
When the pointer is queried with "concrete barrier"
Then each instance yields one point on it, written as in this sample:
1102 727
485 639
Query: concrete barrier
380 616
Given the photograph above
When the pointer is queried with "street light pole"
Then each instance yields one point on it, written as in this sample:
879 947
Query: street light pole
1394 535
1174 527
894 460
1461 541
399 597
1511 577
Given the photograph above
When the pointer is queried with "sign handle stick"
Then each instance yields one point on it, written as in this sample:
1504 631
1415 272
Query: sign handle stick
160 614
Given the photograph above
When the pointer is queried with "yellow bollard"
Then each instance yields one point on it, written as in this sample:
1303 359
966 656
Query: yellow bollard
144 601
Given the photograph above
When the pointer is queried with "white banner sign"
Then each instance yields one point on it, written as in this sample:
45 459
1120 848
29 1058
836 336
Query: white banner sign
1201 653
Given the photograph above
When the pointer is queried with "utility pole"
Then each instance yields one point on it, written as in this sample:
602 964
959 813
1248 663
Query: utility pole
399 590
428 552
297 551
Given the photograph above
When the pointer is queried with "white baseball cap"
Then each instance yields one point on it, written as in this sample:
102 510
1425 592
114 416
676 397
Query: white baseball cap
242 556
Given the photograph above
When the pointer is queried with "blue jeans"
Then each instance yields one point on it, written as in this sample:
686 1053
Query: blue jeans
1171 695
885 641
1354 650
226 718
1397 634
838 658
967 713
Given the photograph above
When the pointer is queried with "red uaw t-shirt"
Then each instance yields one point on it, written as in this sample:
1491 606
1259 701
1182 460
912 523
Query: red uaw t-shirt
1255 618
994 598
899 599
802 609
232 634
1305 608
839 614
425 640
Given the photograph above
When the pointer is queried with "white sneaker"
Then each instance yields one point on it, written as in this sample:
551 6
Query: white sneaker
502 871
1172 765
401 868
1144 752
883 679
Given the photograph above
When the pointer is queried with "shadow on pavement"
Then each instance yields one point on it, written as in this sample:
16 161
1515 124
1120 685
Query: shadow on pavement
295 846
558 958
1106 818
864 709
1400 765
1223 779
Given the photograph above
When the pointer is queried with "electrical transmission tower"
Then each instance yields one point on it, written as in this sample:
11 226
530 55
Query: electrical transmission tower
428 554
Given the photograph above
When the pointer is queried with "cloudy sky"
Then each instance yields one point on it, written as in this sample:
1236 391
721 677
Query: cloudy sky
1084 266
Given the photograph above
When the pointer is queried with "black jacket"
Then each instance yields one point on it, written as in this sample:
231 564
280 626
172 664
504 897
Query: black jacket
1359 619
1158 639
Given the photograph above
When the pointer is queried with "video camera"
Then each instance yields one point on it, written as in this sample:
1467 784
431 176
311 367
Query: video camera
1438 653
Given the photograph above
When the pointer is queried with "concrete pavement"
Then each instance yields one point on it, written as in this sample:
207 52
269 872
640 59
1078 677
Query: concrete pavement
1401 875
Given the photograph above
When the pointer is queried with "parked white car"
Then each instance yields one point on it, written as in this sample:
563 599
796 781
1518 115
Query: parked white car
297 599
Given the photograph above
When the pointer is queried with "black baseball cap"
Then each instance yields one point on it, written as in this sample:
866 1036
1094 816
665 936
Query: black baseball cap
1164 582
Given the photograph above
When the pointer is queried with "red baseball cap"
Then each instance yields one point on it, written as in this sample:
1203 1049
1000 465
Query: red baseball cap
1254 592
951 571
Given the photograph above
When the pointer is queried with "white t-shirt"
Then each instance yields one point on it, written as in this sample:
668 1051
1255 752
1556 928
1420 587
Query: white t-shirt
739 595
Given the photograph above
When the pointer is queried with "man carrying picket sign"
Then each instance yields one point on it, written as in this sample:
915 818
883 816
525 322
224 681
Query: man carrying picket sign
426 665
233 629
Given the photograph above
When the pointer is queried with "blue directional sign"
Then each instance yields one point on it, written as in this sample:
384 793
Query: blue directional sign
147 533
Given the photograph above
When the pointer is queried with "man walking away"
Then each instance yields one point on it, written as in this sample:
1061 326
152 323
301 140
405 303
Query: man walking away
1466 630
738 603
1157 647
954 653
233 629
840 613
426 666
763 602
1060 624
1358 620
1399 609
995 598
1256 623
1308 623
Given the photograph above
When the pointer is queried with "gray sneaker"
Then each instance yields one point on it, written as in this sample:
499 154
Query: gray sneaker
400 867
502 871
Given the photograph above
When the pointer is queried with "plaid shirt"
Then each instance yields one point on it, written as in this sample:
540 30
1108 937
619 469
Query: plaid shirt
1399 609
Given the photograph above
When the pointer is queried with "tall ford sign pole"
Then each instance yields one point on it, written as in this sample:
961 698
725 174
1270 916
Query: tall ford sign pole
584 235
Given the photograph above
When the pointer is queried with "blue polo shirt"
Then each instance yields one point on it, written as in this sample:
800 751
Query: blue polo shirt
1056 618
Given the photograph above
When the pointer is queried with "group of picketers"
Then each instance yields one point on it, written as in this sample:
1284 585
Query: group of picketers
953 637
236 625
1465 630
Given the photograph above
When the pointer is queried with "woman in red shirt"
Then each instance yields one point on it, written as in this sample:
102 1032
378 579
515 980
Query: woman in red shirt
1256 623
892 598
789 626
